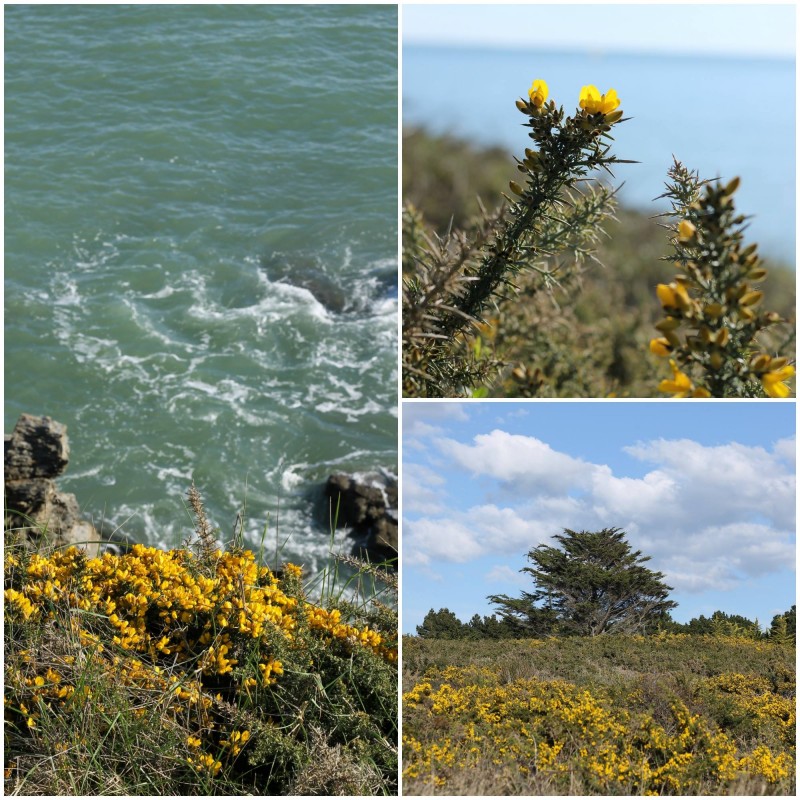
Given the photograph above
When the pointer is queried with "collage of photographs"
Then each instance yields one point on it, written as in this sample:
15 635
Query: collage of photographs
400 399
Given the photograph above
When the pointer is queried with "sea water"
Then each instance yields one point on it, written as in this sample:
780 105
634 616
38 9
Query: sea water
201 256
720 116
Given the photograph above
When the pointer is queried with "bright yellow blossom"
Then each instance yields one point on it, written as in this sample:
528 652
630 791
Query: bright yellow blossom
773 381
593 102
538 93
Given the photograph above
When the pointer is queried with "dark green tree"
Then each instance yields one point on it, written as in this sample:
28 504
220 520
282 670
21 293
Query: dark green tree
442 624
590 584
783 627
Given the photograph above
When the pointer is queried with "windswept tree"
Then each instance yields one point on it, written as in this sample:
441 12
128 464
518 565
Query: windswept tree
591 583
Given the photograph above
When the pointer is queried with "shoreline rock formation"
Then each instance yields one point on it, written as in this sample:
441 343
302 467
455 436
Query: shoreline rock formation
367 504
36 453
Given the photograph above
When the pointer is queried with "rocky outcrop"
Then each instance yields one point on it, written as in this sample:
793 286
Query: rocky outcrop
36 512
367 504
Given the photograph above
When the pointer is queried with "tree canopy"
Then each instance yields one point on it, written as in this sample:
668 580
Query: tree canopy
592 583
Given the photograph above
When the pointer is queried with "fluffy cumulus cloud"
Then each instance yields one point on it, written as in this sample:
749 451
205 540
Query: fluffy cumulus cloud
523 461
710 517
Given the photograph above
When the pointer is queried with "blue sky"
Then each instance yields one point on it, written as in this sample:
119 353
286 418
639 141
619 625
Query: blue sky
707 489
721 28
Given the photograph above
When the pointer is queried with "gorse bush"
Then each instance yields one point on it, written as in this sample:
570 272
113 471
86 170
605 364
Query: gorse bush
718 342
166 672
661 715
504 302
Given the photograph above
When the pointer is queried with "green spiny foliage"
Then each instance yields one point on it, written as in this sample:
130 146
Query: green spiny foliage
718 343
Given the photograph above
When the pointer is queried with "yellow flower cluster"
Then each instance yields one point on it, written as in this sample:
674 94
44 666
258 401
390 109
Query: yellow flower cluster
164 622
557 728
320 619
591 101
753 696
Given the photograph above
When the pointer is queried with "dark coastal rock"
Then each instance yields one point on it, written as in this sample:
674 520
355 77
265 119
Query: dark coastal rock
37 448
36 512
367 504
306 274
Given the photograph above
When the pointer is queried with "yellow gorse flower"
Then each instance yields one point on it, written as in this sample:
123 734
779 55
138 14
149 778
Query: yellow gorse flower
681 384
773 381
593 102
538 93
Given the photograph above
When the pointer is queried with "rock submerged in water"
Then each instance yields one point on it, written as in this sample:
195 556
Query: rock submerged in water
37 452
307 275
367 503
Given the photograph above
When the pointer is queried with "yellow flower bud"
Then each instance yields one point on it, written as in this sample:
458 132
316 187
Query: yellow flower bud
713 310
668 324
732 186
660 347
686 230
716 360
750 298
778 363
515 187
666 295
760 362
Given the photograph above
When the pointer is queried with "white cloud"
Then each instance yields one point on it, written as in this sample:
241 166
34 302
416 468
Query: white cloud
710 517
425 419
422 491
521 460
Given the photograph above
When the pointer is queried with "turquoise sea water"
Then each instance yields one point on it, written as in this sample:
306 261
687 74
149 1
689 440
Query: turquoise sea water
721 116
201 254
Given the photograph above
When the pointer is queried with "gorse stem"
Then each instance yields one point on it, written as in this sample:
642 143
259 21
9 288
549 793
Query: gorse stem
452 283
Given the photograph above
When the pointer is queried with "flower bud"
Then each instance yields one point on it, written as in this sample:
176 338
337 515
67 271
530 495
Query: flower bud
686 230
614 116
668 324
732 186
760 363
522 106
750 298
749 250
778 363
716 360
713 310
666 296
722 337
660 347
757 274
515 187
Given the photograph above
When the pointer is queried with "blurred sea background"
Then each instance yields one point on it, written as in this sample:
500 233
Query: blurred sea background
201 256
720 115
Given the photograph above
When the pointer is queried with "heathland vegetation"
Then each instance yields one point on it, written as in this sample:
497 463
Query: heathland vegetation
196 671
559 292
586 685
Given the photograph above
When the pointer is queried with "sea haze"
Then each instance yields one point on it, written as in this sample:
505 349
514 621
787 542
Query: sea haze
201 255
721 116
